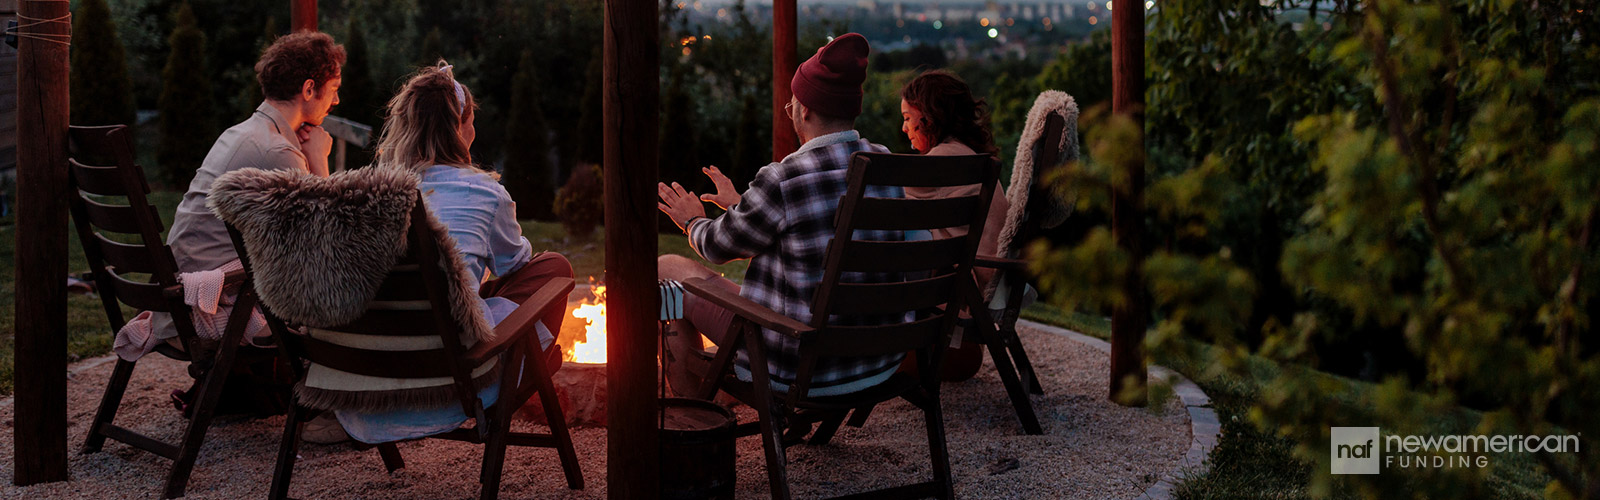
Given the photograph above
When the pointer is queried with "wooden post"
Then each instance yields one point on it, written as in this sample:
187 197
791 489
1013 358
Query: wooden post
783 65
1128 322
632 94
302 15
40 431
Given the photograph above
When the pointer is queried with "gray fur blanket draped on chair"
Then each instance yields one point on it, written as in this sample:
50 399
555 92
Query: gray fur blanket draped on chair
320 249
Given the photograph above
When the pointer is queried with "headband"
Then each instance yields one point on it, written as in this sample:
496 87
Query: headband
461 94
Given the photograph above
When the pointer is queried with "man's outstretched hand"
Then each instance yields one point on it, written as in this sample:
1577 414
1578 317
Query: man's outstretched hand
680 204
726 195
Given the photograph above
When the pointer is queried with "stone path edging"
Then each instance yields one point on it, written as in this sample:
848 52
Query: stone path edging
1204 428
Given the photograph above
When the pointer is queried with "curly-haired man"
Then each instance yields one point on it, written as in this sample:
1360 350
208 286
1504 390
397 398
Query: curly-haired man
299 76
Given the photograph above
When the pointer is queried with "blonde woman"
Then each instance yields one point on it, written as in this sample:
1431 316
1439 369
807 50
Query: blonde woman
429 130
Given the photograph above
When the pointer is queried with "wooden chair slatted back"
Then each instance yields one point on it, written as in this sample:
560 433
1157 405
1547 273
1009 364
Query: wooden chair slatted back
1046 159
412 305
930 270
101 168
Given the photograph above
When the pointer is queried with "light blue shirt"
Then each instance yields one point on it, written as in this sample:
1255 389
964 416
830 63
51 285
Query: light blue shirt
482 219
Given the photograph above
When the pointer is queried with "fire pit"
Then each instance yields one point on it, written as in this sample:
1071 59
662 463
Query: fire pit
581 382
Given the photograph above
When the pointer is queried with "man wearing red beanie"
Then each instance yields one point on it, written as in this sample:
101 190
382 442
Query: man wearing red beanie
783 223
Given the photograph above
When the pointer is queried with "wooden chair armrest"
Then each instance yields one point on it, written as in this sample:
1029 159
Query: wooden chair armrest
746 308
1001 263
520 322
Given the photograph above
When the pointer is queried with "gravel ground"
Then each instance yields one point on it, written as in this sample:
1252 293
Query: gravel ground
1091 448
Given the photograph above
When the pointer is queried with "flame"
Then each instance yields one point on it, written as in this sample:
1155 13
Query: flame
592 349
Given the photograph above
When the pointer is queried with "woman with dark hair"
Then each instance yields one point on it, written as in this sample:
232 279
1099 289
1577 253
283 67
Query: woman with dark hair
941 117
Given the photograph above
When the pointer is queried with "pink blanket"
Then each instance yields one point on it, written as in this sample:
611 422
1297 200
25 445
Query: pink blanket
210 304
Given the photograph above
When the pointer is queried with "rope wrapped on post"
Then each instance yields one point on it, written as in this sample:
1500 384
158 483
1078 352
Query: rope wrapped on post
17 31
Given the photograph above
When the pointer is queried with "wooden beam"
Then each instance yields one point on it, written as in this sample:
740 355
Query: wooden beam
1129 321
40 432
632 94
783 64
302 15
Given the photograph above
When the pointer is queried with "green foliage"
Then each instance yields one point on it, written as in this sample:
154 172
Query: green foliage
580 204
591 134
1390 190
677 141
101 93
359 96
187 114
719 76
880 110
529 175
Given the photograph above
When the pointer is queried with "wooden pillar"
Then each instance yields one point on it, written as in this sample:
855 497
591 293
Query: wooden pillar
302 15
632 94
1129 321
40 431
783 64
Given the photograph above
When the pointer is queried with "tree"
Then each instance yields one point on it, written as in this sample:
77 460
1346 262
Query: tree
591 137
529 175
101 93
678 156
186 108
1400 191
357 100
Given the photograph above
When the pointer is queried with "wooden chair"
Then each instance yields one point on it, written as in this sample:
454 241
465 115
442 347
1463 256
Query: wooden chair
937 284
101 168
516 347
999 334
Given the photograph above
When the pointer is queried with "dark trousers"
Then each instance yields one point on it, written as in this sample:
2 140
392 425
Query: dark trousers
522 283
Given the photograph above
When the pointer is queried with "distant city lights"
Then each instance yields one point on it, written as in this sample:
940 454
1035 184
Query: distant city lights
1093 21
938 25
993 32
983 22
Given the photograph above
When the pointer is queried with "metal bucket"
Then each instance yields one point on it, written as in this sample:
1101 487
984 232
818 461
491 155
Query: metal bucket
697 450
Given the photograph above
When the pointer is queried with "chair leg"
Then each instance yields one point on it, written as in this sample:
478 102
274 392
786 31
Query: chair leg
1019 396
826 429
858 417
771 433
558 425
205 406
937 449
108 405
1013 342
494 455
288 450
392 461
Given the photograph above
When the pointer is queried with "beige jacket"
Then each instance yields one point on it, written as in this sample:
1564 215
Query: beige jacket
989 244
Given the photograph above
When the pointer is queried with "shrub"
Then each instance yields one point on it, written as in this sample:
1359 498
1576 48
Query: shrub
580 204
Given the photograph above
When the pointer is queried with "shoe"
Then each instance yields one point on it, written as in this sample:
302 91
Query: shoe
324 429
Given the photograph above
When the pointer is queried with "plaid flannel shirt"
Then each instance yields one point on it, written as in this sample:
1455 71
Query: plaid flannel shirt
783 224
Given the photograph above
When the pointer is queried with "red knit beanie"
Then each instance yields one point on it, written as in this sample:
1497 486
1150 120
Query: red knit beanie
829 82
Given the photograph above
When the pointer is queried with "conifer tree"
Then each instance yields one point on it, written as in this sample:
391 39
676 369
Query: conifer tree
101 92
357 101
529 175
186 108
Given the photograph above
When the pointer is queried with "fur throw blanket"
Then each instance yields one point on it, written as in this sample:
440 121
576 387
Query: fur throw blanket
1024 173
320 249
